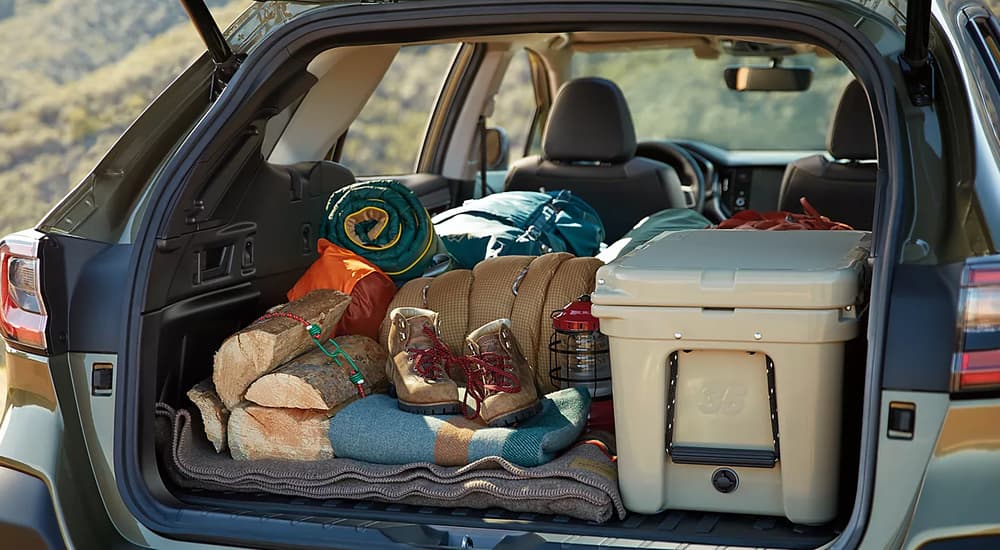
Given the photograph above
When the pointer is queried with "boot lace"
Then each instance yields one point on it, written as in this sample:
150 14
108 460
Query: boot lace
487 373
430 363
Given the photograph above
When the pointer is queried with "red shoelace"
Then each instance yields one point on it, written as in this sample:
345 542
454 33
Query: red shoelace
430 363
486 373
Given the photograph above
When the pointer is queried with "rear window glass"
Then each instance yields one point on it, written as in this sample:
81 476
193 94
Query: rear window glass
386 137
675 95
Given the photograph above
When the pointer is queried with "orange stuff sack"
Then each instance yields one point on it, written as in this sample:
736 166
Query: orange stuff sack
370 289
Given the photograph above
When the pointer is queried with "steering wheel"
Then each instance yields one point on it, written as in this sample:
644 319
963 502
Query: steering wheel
691 176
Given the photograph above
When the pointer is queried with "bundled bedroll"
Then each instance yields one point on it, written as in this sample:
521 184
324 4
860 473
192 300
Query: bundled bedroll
383 222
524 289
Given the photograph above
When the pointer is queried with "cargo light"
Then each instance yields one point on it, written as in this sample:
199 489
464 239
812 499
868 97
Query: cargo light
977 362
22 310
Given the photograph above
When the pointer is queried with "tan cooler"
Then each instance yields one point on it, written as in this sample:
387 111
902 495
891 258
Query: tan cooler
726 357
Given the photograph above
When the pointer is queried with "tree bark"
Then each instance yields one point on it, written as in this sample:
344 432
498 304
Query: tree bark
314 381
257 433
214 415
247 355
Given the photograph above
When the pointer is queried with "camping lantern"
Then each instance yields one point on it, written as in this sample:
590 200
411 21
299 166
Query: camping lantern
578 351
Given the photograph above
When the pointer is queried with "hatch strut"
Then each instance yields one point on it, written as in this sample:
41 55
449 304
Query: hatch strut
916 61
226 62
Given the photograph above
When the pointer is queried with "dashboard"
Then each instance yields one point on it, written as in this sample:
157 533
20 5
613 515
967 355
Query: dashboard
733 180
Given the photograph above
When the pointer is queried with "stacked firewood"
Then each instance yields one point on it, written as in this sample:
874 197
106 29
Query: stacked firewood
273 390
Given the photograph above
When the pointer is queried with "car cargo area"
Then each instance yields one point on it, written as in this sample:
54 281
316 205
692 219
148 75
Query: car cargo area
194 328
637 315
184 336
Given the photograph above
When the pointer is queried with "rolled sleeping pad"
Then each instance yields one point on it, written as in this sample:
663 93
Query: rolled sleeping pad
383 222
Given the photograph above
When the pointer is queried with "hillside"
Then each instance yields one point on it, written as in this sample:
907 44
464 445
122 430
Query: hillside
76 73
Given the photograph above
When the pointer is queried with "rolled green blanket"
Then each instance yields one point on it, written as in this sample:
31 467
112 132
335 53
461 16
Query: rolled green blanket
385 223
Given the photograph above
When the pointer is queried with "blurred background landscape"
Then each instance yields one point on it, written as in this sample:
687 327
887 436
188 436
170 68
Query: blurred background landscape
77 72
75 75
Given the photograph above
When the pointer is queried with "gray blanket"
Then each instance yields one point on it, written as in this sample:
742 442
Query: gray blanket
582 483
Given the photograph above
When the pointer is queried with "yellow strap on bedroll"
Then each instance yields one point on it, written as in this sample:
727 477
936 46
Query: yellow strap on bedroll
370 213
423 254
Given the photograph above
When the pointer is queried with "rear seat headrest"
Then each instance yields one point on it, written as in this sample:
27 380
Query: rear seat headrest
852 133
590 121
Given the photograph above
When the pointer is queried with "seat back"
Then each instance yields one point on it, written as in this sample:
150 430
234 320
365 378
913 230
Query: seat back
589 148
843 189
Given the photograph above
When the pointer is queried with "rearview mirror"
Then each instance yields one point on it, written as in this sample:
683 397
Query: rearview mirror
768 79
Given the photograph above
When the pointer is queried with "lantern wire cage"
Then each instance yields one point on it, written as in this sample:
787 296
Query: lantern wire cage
580 359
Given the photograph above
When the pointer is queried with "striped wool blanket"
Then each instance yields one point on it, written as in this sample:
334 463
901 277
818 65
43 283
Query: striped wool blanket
375 430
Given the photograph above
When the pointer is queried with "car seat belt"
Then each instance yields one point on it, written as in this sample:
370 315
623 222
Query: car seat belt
483 188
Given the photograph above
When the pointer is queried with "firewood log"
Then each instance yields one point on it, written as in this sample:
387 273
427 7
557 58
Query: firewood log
315 381
259 348
257 433
214 415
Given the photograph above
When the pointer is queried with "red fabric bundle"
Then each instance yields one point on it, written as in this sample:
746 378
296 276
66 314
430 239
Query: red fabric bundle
783 221
370 289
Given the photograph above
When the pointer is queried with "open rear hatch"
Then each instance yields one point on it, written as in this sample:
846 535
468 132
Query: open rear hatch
179 336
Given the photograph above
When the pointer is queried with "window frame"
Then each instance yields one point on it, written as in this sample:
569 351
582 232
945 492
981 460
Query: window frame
543 100
984 28
336 151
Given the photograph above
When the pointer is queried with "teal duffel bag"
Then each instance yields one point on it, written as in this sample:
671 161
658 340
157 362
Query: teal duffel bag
671 219
519 223
384 222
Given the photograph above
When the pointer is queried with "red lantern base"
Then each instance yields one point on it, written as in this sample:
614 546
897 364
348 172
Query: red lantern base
602 415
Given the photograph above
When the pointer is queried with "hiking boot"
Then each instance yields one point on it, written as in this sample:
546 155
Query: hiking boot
417 364
500 380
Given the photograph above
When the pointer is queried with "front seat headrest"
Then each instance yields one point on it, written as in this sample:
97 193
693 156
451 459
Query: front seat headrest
590 121
852 133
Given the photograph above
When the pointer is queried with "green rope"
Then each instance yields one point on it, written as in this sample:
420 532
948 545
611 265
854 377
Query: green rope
338 355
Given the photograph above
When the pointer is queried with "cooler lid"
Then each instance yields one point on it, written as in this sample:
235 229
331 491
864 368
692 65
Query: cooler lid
734 268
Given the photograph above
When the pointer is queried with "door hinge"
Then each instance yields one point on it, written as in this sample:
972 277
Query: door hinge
916 61
919 80
226 62
223 73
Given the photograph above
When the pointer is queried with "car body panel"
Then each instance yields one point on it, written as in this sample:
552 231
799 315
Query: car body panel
901 465
52 424
33 440
961 484
28 521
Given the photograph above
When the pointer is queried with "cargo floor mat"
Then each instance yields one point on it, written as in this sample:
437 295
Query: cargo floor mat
582 483
676 526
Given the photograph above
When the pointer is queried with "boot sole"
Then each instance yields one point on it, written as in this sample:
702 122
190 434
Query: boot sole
423 408
512 418
430 410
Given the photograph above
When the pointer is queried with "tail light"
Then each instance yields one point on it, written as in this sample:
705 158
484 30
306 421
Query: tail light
977 363
22 311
